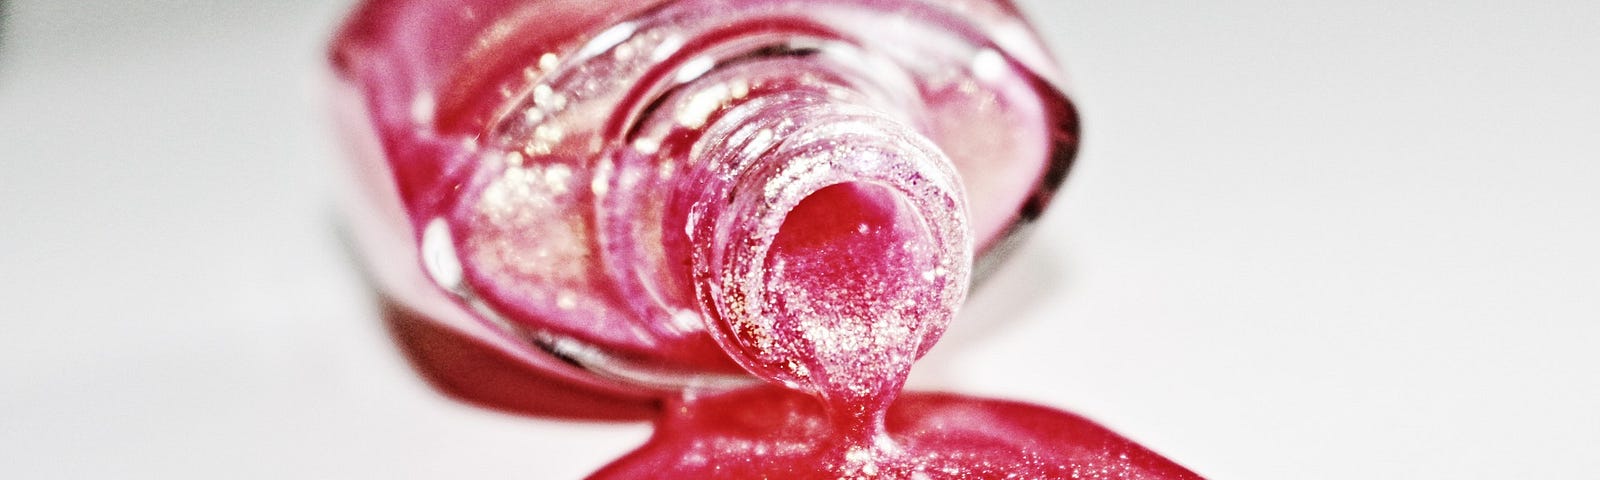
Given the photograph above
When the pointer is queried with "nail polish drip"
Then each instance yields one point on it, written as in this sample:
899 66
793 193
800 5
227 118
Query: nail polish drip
844 293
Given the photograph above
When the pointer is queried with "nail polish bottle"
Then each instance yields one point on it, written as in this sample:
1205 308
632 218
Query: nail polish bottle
567 204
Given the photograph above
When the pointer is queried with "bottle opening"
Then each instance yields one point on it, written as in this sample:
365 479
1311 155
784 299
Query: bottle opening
837 260
851 291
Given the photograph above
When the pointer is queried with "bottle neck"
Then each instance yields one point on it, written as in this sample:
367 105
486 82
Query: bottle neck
708 157
834 148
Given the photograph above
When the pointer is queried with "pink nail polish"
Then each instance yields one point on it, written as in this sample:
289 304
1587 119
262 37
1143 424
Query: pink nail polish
583 208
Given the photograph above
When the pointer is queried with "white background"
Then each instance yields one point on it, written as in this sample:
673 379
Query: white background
1354 240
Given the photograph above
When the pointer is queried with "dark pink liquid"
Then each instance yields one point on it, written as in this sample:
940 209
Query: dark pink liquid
778 433
851 290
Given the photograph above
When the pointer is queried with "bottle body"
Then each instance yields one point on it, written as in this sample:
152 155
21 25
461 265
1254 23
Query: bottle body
532 174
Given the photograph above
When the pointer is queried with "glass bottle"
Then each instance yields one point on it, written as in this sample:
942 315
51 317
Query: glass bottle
566 197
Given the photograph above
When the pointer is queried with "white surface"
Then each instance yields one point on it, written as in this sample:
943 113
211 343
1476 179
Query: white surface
1345 241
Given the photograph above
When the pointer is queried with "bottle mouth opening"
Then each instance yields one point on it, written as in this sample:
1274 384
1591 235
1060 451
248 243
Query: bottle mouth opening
811 194
847 280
